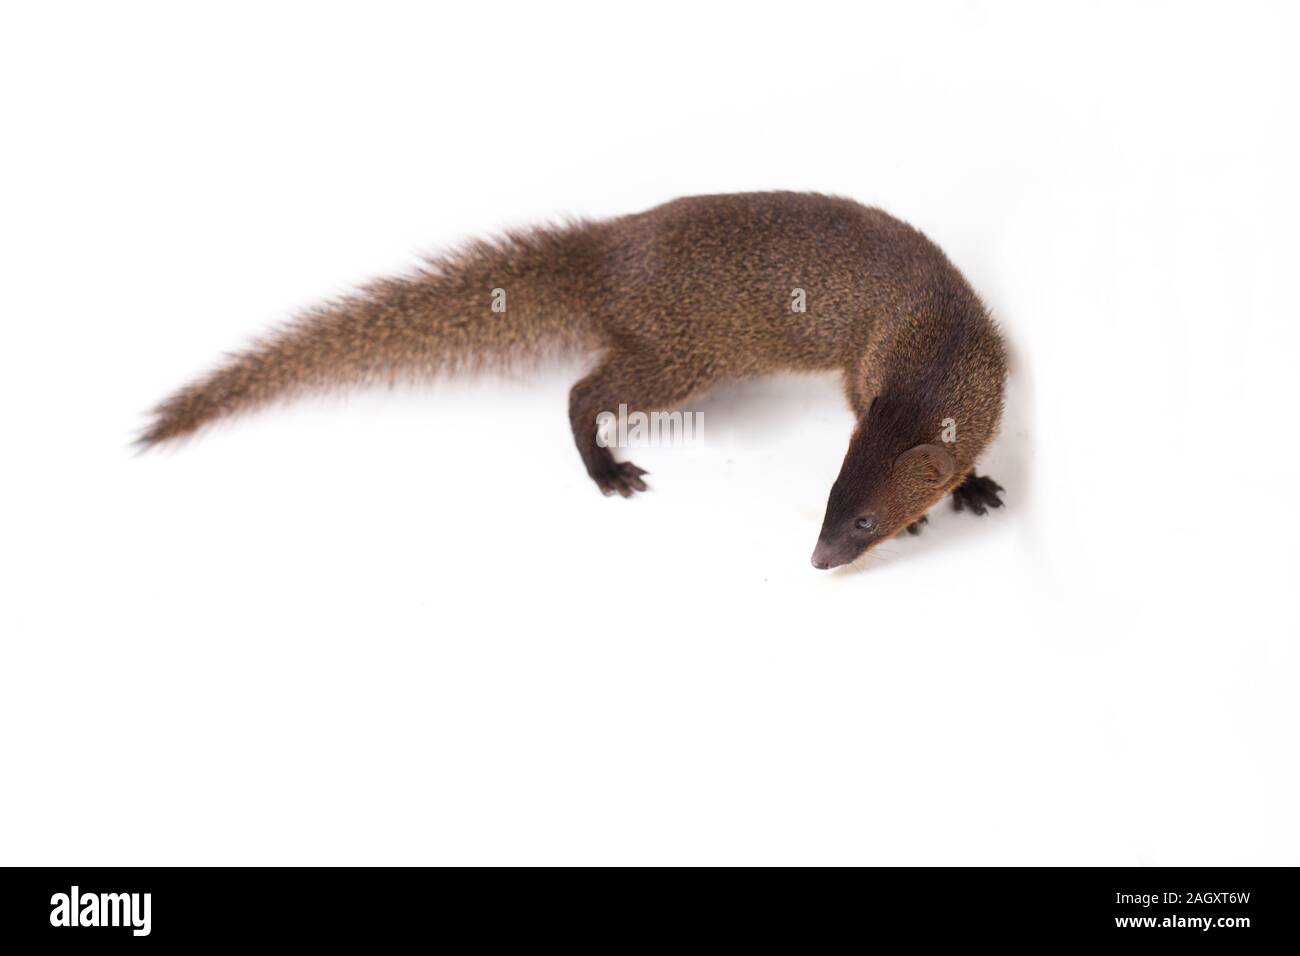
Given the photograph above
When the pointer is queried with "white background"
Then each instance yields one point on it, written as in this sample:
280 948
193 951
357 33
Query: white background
403 627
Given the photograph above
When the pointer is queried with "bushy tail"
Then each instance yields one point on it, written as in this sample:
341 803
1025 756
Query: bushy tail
438 319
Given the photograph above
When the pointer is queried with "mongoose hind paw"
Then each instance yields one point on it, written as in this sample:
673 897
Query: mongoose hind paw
978 494
622 477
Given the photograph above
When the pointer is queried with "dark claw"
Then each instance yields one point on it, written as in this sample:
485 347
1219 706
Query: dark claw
915 526
978 494
623 478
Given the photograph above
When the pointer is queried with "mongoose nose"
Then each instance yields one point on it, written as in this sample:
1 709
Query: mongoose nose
821 564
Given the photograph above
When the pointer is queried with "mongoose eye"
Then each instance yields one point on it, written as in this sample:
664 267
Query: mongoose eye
864 524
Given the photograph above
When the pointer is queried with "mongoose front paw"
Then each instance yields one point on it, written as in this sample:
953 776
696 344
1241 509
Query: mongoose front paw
915 526
622 477
978 494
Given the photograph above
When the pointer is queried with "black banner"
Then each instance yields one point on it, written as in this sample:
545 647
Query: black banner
138 907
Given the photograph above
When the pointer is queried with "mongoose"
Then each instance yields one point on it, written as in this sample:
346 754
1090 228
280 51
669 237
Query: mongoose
695 292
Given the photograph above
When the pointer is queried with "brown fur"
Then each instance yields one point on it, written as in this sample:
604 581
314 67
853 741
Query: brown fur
675 300
436 320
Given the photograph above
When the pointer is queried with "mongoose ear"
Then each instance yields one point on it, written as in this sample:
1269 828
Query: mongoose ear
937 460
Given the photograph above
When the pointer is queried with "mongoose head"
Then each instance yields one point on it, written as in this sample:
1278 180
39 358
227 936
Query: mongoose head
936 399
884 485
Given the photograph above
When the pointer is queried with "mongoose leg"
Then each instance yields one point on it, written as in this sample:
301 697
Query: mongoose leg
978 494
916 526
617 381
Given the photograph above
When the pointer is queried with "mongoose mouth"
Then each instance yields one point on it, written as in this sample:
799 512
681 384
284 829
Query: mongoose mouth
826 556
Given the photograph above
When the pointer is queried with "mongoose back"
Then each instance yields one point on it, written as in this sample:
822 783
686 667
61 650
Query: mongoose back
695 292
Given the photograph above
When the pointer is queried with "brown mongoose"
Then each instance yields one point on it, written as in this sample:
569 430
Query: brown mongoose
674 300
